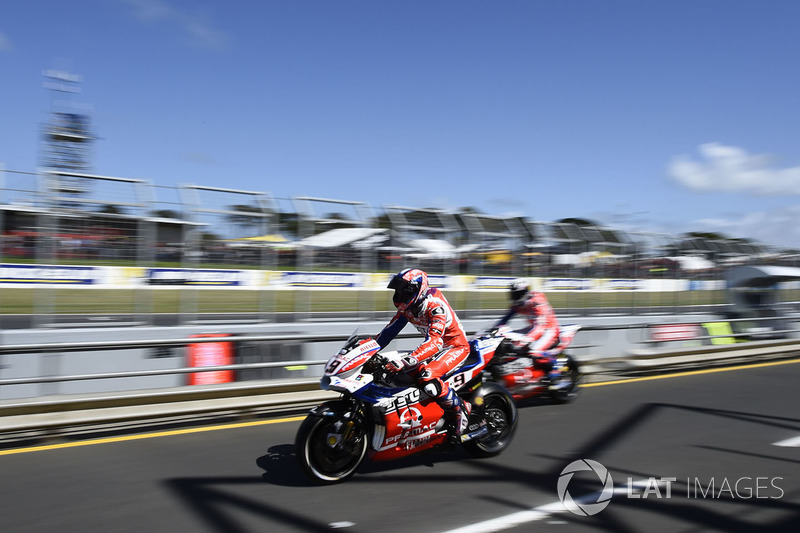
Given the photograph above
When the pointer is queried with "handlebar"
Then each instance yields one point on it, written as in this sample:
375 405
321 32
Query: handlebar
376 365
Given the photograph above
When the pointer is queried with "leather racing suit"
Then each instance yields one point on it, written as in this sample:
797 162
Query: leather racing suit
542 332
445 347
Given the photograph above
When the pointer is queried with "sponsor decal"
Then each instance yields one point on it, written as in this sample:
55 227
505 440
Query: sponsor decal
411 417
488 282
621 284
63 275
320 279
402 401
567 284
450 359
188 276
437 282
210 354
674 332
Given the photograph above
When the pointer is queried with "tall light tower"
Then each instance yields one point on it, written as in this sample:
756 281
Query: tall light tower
66 134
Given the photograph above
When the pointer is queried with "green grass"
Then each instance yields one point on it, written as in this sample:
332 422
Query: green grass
57 300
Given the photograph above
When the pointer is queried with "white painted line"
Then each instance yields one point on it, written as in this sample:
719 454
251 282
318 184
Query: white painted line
789 443
538 513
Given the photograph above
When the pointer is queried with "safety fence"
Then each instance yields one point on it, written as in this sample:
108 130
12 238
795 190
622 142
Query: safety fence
601 349
57 227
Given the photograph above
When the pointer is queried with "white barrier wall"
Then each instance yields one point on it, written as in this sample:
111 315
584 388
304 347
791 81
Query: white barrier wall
108 277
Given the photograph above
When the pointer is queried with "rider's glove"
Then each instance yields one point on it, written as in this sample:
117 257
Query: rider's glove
517 339
405 364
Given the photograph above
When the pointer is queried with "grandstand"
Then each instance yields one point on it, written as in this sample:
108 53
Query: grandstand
252 229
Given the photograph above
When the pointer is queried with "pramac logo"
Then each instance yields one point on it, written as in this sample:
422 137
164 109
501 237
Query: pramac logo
410 418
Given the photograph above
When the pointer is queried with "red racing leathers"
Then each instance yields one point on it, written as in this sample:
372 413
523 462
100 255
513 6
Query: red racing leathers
445 347
542 331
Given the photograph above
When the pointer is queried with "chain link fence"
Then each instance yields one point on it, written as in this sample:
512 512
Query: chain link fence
210 253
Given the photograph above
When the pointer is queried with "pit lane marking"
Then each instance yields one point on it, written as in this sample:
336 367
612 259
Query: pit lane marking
125 438
689 373
541 512
794 442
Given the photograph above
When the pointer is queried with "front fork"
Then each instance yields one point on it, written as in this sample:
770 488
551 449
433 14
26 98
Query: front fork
346 425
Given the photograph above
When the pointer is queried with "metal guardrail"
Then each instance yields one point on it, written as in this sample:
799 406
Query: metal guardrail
112 345
705 356
60 347
60 415
757 344
151 343
146 373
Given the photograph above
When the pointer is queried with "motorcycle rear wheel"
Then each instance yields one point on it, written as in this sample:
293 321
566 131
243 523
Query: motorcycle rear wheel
326 463
570 378
500 414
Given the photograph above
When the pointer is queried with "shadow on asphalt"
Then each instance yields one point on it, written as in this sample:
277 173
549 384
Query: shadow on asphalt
281 468
220 502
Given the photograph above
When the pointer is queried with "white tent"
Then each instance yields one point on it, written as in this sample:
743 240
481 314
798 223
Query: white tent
339 237
433 249
693 262
373 241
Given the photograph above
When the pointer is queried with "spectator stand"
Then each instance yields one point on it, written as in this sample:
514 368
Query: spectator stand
87 218
220 219
321 249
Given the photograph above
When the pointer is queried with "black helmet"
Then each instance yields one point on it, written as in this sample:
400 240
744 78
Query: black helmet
518 290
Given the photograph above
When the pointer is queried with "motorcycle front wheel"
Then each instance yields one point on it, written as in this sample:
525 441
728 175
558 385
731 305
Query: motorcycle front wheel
500 414
329 448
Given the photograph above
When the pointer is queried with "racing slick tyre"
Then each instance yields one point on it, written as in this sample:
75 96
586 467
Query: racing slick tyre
496 407
330 447
565 388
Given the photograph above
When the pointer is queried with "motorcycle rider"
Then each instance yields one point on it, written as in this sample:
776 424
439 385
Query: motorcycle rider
542 332
445 346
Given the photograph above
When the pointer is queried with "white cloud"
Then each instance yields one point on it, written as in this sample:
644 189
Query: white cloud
5 44
779 227
194 24
731 169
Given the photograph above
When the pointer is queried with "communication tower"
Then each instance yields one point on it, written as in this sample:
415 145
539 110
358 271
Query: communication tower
66 133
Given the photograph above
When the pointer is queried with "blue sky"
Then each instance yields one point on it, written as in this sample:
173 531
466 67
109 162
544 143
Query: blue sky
680 115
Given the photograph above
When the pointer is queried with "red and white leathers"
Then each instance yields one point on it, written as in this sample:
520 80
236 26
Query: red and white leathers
542 332
445 347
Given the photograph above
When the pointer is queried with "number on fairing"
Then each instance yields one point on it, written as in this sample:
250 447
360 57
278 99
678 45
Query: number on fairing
333 366
459 380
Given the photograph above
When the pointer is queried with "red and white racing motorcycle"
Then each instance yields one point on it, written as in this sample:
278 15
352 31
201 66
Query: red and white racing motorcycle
526 375
384 416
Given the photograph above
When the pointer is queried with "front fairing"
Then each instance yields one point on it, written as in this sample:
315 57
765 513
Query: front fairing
343 372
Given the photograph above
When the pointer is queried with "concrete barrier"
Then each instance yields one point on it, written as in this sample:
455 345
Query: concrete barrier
50 415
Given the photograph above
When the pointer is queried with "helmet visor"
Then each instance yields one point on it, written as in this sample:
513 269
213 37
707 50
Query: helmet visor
404 293
517 295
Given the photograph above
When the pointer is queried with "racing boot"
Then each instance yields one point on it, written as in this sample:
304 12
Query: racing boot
464 429
458 411
554 374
